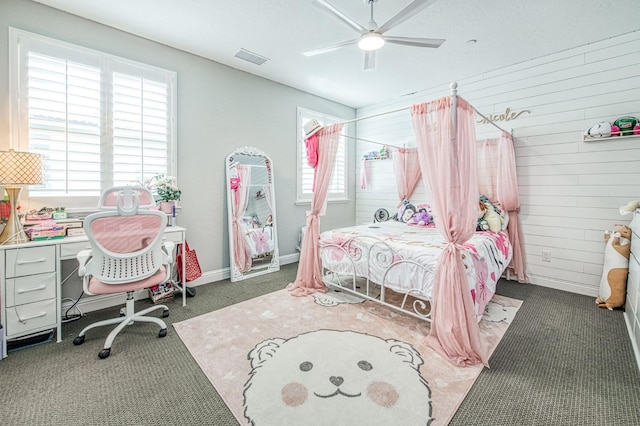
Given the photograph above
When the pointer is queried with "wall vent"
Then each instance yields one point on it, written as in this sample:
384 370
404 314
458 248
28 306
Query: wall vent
251 57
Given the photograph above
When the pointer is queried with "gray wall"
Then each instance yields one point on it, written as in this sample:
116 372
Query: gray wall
219 109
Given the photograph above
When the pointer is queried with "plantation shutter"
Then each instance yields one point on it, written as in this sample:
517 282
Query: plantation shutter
140 131
64 122
337 186
99 120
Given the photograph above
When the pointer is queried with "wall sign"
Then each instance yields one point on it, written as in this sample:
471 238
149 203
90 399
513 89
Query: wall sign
507 115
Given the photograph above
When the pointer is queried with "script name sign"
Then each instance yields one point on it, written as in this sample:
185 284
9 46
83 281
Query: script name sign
507 115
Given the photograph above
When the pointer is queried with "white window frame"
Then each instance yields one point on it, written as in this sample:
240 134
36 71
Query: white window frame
304 115
19 41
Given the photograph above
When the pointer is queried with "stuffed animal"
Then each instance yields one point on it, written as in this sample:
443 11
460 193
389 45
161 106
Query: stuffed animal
600 130
629 207
490 216
613 283
421 218
405 211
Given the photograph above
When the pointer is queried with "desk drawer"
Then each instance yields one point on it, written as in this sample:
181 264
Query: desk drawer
30 261
30 318
172 236
70 250
32 288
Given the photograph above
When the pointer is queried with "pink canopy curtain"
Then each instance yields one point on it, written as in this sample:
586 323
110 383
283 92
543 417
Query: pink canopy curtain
448 163
268 195
407 170
241 250
309 276
499 182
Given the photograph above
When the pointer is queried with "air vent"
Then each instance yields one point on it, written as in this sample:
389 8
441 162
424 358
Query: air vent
251 57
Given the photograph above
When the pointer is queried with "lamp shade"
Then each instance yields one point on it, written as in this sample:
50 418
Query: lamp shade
21 168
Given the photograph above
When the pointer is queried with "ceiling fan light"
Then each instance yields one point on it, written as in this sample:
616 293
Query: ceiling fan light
371 41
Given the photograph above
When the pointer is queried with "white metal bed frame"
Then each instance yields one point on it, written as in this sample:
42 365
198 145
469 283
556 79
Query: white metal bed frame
384 256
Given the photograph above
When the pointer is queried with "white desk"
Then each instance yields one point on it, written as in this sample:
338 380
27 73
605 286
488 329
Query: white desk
30 283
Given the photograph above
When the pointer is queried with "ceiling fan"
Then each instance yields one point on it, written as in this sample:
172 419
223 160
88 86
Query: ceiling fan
371 37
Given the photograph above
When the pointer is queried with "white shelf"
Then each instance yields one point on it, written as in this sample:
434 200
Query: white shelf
584 139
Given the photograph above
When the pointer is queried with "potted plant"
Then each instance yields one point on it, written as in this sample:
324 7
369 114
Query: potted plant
165 191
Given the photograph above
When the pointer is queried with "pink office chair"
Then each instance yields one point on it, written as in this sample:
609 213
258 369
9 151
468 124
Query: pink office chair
127 254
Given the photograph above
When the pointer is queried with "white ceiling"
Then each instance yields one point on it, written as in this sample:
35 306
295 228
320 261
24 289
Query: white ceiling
507 32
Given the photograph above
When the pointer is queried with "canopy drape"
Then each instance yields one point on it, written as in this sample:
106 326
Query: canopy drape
448 163
406 167
241 250
309 275
498 180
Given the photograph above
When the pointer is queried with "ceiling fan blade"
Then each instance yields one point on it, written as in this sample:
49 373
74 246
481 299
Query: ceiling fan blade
329 48
415 41
412 8
369 60
328 7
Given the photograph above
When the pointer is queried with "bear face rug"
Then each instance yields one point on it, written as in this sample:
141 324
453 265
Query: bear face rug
284 360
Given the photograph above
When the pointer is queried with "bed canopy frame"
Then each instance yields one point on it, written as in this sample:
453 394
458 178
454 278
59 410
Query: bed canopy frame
454 330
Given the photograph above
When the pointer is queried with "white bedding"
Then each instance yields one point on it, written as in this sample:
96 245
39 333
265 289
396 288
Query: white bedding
487 256
260 240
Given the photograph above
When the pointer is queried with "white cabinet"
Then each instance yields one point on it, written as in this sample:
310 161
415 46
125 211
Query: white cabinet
29 284
632 305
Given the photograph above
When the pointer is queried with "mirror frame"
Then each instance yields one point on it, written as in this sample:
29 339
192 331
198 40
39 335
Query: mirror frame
274 264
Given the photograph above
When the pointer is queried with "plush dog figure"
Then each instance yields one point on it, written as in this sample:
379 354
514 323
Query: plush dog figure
613 283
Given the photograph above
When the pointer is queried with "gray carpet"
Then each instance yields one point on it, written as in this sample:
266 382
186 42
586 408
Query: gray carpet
563 361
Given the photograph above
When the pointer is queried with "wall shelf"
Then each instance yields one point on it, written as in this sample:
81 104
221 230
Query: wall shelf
584 139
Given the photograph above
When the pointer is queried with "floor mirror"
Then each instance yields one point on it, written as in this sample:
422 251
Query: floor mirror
253 236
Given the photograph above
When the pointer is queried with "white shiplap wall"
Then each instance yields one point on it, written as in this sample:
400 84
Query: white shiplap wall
570 190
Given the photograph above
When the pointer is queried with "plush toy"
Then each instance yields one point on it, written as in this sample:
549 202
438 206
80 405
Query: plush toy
421 218
405 211
490 216
600 130
629 207
613 283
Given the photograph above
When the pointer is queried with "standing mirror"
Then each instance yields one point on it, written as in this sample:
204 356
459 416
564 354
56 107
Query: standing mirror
253 242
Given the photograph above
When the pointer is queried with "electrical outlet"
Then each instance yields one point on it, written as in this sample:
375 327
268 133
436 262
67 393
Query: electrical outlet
546 256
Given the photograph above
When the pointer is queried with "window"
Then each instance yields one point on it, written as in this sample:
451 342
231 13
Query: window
338 185
99 120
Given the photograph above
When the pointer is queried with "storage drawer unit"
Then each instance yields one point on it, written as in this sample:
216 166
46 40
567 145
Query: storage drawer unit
632 304
30 290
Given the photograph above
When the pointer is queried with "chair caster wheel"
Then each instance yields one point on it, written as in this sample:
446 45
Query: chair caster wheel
162 333
104 353
78 340
165 313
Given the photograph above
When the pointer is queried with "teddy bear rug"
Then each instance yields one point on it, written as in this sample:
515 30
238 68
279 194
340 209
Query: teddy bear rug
284 360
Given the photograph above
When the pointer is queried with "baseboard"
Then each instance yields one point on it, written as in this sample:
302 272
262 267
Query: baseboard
563 285
95 303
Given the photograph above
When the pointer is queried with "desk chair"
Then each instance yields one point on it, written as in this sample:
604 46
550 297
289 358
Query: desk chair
127 254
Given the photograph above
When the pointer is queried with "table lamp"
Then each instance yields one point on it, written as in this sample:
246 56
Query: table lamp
16 169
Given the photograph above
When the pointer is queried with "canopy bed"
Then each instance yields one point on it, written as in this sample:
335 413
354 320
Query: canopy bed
445 273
